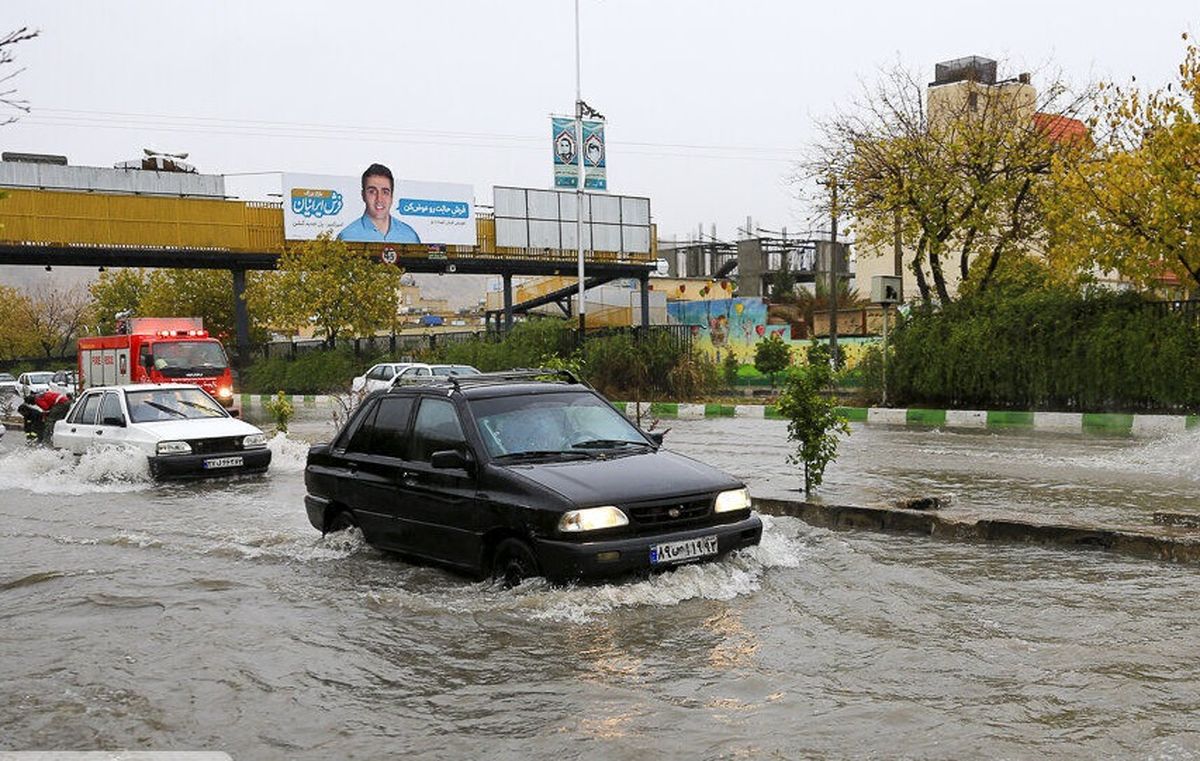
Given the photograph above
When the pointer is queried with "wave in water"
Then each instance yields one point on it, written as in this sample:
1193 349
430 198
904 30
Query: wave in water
51 471
783 546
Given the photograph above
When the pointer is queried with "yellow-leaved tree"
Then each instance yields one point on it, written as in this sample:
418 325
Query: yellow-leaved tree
1134 206
956 181
325 284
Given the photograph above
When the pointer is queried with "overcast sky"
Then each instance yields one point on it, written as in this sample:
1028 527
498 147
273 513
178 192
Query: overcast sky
708 103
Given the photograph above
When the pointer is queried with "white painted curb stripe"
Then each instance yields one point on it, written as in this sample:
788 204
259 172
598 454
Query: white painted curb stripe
690 411
887 416
1058 421
1158 425
966 419
749 410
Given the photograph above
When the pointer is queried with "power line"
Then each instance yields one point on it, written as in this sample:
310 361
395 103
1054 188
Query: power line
190 124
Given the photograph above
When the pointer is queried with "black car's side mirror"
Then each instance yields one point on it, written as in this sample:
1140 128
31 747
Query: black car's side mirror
451 458
657 437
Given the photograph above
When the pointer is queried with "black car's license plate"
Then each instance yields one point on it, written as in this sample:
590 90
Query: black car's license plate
688 549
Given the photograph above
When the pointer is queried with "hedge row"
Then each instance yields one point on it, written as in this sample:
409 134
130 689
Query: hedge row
1048 350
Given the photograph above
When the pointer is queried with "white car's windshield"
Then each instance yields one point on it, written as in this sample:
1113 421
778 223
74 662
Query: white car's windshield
40 377
574 422
171 404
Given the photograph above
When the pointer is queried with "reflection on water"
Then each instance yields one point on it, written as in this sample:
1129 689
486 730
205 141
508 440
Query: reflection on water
210 615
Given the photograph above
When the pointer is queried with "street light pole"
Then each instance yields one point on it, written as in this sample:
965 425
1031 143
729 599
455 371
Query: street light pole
579 186
834 280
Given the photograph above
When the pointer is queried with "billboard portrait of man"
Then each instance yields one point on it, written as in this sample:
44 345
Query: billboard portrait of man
377 225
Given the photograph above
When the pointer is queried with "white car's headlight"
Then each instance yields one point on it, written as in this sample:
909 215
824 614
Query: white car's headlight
734 499
254 441
173 447
592 518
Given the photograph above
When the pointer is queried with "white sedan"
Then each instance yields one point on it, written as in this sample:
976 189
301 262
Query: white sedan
382 375
180 429
33 383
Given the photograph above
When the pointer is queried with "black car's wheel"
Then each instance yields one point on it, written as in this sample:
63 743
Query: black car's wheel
513 562
340 521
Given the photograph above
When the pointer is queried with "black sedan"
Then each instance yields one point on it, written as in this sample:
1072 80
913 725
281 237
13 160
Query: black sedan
521 474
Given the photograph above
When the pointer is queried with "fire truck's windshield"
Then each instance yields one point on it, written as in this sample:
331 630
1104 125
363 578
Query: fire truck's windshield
189 359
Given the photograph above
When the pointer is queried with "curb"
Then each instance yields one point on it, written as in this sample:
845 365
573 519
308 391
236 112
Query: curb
258 402
1051 422
1165 542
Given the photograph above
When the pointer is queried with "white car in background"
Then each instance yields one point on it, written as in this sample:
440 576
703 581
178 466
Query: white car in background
33 383
8 385
382 375
180 429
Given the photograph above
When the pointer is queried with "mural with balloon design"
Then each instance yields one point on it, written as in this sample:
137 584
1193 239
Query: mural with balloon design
736 325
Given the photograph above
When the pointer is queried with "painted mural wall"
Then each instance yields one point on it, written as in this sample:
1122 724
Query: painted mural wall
737 325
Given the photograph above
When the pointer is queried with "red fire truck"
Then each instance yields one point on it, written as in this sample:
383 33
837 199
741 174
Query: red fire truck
157 350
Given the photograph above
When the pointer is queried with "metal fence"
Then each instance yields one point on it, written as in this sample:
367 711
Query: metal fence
409 346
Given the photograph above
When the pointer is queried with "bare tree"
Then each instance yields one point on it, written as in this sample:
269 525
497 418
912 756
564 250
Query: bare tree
7 91
960 183
55 317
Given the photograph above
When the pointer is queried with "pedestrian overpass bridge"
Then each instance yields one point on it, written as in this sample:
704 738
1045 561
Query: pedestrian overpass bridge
53 228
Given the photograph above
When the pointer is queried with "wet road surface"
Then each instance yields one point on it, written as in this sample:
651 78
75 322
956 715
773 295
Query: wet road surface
211 616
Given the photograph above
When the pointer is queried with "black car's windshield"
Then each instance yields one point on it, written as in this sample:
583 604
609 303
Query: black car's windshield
568 423
171 404
181 359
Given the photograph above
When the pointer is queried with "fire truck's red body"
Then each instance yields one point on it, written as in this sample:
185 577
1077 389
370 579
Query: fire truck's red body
157 350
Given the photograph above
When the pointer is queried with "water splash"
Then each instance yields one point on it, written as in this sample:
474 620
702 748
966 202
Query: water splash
783 545
54 471
287 455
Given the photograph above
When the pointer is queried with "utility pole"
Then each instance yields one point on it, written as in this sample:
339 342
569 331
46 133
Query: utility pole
834 280
579 186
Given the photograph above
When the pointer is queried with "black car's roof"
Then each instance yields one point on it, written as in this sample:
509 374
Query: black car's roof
506 383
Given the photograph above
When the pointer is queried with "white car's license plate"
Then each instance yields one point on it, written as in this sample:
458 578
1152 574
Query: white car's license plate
688 549
223 462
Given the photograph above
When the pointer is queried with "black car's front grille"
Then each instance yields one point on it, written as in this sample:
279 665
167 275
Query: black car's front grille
668 512
213 446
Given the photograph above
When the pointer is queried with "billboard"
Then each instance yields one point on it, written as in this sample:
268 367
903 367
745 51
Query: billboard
533 218
378 209
566 154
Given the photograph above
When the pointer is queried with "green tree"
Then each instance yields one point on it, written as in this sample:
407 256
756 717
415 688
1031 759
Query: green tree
1133 205
16 340
729 368
813 421
323 283
772 355
117 291
207 294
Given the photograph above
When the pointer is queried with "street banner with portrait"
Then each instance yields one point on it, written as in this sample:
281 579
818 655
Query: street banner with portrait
377 208
566 154
594 161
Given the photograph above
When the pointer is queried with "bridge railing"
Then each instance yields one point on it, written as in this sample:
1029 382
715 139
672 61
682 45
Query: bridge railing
65 219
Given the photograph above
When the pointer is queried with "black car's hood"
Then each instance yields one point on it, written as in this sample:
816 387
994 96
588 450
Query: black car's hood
624 479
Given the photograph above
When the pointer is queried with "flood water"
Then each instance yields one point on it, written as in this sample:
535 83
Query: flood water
211 616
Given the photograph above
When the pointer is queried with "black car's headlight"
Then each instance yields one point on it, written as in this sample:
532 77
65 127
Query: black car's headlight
732 501
592 519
